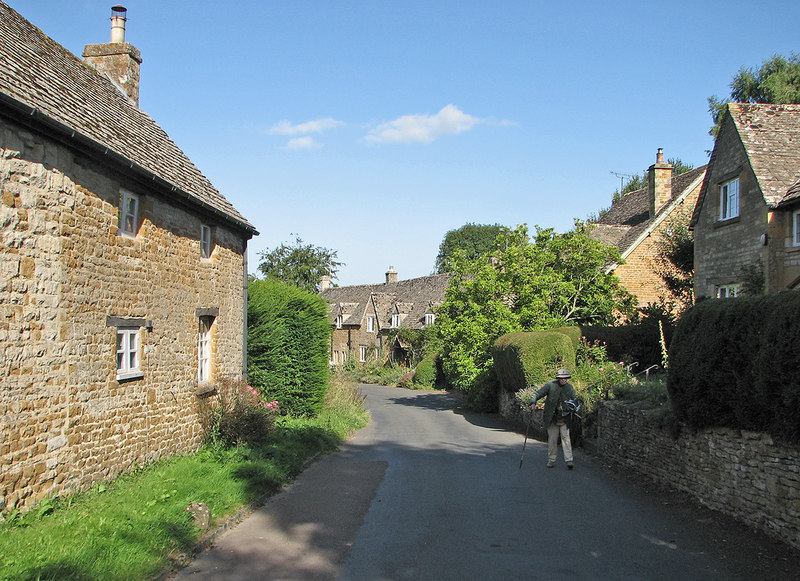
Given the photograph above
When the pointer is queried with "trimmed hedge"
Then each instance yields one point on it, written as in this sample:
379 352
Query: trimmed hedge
631 343
425 375
525 359
287 346
734 362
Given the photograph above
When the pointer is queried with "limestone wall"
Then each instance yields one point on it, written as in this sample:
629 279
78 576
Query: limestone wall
743 474
65 420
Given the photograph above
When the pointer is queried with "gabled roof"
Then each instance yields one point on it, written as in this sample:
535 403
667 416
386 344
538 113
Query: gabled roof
628 220
413 297
45 86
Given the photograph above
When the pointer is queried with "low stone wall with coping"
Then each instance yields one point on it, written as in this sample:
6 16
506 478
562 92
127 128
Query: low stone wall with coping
743 474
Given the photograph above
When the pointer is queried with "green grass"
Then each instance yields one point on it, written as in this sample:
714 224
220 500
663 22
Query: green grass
135 526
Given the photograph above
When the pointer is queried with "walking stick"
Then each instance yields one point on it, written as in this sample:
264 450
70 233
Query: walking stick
526 439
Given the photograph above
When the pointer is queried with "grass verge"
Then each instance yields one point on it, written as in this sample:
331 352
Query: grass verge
136 526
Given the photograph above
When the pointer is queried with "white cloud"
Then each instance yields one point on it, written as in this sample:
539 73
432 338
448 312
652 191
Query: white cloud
306 142
424 128
318 125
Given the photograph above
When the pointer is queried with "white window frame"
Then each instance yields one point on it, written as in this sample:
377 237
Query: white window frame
128 353
728 291
729 199
796 228
129 214
430 319
396 321
205 324
205 242
338 321
370 323
362 353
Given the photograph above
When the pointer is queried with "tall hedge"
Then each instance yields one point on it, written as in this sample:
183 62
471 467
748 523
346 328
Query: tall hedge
526 359
733 363
631 343
287 346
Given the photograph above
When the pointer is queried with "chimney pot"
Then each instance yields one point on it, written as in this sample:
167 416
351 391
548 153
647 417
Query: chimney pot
391 275
119 14
660 156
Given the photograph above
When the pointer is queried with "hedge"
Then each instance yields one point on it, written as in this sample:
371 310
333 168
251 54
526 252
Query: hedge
733 363
631 343
425 375
526 359
287 346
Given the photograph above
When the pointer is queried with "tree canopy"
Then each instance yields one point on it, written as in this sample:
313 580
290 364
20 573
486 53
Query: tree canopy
776 81
301 265
526 283
474 240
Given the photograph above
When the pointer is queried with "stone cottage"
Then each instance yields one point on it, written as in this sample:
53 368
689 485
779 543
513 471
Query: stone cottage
747 220
122 271
363 316
635 222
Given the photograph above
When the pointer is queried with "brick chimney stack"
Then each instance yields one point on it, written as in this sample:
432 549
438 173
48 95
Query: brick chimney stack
324 283
659 183
391 275
117 59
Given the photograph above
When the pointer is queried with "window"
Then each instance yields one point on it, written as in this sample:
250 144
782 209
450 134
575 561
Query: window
128 353
796 228
362 353
339 322
129 214
204 349
395 321
728 291
729 200
429 319
370 323
205 241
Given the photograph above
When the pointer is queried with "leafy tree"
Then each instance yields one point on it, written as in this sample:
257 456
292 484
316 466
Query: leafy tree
547 281
473 239
777 81
301 265
675 259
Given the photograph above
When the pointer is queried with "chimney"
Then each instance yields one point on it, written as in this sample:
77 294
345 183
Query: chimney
659 183
391 275
117 59
324 283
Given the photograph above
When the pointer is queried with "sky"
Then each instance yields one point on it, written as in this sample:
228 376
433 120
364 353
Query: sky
372 128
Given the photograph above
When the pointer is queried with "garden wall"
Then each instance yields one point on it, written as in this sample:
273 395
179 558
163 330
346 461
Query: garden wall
743 474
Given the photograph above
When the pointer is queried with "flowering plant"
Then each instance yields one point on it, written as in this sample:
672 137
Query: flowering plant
259 402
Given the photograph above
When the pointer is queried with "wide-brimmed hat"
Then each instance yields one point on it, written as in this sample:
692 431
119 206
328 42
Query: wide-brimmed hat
563 374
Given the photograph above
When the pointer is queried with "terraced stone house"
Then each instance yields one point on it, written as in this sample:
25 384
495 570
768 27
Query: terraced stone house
362 317
747 220
122 271
636 221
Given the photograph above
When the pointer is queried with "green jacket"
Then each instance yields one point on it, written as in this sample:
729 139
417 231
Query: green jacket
555 394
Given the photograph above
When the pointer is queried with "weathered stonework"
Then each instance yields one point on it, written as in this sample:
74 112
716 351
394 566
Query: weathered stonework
743 474
65 420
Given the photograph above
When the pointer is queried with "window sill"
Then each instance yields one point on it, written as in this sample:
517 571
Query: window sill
205 388
728 222
130 376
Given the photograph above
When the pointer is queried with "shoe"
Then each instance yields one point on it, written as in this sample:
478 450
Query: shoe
569 466
550 464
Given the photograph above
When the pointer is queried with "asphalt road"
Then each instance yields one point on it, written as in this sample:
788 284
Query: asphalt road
428 491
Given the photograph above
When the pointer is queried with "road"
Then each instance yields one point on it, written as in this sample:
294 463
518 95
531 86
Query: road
428 491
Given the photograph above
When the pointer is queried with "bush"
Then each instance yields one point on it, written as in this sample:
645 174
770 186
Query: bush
531 358
483 396
287 346
241 416
425 376
639 344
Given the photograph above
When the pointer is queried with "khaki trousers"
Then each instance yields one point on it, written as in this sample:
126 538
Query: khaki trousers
553 433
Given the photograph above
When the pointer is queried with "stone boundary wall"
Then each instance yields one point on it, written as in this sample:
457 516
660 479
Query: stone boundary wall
743 474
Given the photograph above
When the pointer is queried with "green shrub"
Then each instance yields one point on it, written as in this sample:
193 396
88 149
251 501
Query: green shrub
242 416
483 396
639 344
287 346
573 332
425 373
531 358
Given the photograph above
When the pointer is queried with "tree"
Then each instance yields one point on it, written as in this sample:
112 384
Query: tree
546 281
777 81
301 265
675 259
473 239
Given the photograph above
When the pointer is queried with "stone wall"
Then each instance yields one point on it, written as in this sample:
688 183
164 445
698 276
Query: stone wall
743 474
65 419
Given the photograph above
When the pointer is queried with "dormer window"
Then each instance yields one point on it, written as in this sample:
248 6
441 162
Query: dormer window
430 318
729 199
370 323
395 320
338 321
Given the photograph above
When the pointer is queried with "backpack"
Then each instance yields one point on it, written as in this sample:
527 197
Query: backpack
570 407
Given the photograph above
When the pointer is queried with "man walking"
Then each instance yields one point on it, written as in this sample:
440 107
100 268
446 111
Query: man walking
557 392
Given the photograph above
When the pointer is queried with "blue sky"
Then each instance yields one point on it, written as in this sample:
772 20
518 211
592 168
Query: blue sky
374 127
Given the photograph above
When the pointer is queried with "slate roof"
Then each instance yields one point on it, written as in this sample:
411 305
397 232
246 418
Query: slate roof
629 218
43 84
413 298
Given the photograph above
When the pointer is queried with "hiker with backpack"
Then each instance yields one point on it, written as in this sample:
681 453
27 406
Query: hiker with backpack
557 392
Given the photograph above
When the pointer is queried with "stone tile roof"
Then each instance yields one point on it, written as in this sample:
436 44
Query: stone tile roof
412 298
42 80
771 136
629 217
